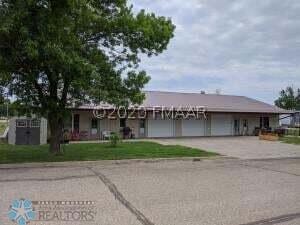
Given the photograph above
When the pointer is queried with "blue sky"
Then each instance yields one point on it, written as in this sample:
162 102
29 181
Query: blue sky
242 47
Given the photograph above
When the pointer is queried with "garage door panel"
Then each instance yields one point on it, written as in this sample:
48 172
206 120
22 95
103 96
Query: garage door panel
160 128
221 125
192 128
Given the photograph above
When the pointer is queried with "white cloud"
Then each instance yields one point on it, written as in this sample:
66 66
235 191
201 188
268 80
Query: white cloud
248 47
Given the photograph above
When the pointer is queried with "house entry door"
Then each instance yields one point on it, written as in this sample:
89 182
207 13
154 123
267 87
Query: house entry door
245 127
236 127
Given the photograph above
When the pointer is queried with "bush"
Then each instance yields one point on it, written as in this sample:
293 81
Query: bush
3 125
114 140
280 132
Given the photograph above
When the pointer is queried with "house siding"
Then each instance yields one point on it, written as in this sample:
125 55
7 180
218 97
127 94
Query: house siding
208 125
114 125
178 128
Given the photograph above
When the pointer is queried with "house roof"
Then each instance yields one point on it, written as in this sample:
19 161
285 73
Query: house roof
212 102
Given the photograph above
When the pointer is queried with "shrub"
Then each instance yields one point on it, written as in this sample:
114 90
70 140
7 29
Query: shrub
3 125
114 140
280 132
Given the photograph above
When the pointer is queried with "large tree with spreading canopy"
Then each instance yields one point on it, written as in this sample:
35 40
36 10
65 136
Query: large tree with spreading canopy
55 53
289 99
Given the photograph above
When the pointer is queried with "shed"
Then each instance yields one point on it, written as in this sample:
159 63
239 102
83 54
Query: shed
27 131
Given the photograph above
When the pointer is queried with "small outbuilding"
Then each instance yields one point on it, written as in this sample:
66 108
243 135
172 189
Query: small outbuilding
27 131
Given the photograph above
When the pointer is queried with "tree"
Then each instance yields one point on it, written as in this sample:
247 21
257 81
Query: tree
289 99
2 96
55 53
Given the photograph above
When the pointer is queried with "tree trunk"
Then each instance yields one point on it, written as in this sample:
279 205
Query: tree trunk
55 124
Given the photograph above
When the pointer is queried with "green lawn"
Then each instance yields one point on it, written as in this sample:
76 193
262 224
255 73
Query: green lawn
290 140
3 125
91 152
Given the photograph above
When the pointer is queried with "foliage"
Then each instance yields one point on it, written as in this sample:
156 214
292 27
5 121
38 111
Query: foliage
2 96
96 151
289 99
114 139
55 54
3 125
291 140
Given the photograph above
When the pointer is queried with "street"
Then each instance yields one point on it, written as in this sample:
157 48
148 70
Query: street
220 191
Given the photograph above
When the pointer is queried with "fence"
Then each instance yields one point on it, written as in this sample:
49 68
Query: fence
292 131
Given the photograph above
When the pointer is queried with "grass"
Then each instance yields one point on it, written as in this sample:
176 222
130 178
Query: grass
290 140
3 125
97 151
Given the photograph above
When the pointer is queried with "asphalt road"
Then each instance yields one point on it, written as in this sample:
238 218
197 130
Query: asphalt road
176 192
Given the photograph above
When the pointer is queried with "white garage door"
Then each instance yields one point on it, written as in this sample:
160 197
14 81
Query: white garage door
160 128
221 124
193 127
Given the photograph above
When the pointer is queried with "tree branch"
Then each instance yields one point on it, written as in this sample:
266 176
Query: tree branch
40 93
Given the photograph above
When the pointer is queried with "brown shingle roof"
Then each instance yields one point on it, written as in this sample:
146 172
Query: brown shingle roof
213 102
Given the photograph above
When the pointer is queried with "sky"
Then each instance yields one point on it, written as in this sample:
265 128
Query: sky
241 47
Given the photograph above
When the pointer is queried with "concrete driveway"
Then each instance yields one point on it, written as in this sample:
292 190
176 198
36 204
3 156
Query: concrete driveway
239 147
176 192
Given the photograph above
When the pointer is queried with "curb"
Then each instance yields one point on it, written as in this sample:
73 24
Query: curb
106 162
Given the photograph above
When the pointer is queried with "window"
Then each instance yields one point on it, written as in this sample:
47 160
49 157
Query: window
245 123
264 122
122 122
35 123
94 123
28 123
76 122
142 127
142 123
21 123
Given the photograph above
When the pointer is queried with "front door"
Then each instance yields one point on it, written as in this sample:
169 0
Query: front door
94 126
142 126
245 127
76 122
236 127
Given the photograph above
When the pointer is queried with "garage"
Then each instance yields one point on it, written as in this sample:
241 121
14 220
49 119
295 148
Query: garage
160 128
221 124
193 127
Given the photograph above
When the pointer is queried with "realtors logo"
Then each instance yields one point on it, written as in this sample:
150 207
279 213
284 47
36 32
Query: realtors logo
21 211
